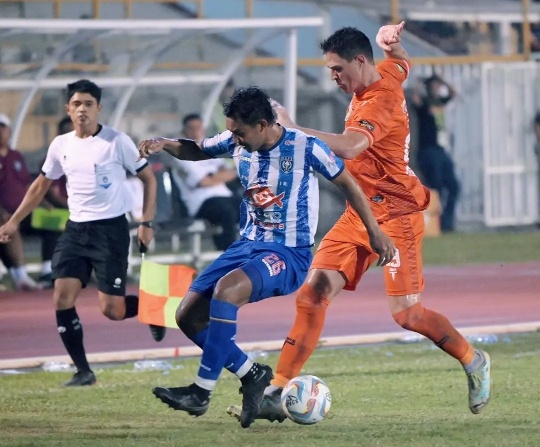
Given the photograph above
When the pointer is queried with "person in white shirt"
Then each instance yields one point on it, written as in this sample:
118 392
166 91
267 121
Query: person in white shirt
203 187
94 158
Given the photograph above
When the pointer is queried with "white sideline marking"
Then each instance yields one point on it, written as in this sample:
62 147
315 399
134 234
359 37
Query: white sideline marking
272 345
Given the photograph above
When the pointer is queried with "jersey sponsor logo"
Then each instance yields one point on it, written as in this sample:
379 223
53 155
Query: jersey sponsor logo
268 225
393 265
263 197
268 216
286 164
17 165
367 125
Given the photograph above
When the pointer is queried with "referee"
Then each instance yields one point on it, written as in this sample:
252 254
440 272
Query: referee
94 159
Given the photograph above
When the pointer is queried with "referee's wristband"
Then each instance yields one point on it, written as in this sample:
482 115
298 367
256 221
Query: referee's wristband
147 224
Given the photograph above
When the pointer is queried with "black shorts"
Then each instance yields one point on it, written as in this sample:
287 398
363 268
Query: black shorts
102 245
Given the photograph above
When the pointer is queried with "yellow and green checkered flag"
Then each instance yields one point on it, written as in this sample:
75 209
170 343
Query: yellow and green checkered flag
161 289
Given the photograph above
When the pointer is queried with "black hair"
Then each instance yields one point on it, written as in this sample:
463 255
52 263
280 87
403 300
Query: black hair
249 105
63 124
84 86
348 43
190 117
433 78
537 118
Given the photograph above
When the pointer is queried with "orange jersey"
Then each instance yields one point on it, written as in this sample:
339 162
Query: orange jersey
383 171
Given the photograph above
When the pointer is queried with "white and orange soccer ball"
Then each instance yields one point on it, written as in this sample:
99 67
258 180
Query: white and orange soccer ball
306 400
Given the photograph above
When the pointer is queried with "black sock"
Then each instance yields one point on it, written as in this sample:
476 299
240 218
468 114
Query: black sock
71 333
201 393
132 306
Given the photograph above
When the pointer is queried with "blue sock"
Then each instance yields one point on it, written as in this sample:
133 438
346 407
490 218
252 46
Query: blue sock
236 357
220 339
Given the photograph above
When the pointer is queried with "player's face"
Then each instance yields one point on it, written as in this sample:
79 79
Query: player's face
83 109
347 75
251 137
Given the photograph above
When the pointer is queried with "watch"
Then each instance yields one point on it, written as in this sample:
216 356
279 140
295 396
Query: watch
147 224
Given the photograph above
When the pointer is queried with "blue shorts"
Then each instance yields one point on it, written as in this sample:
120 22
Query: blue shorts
273 269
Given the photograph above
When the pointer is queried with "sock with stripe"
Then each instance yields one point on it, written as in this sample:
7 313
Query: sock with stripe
304 335
237 361
71 333
219 342
438 329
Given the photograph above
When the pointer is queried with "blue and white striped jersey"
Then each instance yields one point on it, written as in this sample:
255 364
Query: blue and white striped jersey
281 191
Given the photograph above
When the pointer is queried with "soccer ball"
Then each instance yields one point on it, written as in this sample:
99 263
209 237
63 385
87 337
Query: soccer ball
306 400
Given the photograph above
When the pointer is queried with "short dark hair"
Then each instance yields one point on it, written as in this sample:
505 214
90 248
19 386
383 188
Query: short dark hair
250 105
63 124
84 86
348 43
191 117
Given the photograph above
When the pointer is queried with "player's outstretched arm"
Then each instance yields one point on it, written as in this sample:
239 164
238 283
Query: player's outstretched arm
144 233
380 242
389 38
183 149
31 200
347 145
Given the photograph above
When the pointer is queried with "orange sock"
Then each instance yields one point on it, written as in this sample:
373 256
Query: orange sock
438 329
304 335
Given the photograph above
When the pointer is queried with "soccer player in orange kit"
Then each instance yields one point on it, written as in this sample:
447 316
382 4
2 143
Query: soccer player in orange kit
375 146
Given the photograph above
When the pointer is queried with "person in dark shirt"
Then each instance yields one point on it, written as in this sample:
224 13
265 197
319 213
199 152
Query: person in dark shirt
14 181
434 162
57 198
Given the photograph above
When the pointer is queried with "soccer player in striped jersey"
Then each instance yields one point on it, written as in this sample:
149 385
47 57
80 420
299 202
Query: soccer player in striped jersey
279 214
375 146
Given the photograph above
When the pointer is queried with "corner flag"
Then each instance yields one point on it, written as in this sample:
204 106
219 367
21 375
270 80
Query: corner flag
161 289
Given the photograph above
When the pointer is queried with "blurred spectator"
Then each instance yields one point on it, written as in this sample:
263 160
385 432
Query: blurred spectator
434 162
217 120
535 37
164 210
15 178
203 187
57 198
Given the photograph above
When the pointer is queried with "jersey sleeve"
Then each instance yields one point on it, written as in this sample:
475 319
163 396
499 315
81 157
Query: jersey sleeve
324 161
397 68
130 154
222 143
52 169
374 119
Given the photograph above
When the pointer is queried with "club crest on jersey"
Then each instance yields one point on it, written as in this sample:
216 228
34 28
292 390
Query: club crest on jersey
367 125
286 164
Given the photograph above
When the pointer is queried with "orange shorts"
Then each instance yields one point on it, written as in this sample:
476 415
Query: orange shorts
346 249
